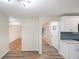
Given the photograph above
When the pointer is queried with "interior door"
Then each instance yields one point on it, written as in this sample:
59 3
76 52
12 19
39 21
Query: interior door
55 34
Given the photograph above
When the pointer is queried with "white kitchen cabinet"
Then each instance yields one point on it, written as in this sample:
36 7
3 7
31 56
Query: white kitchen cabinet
64 49
69 23
69 49
74 51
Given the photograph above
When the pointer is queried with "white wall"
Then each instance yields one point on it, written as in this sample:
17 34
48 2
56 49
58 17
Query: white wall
45 19
55 37
14 32
4 35
30 34
14 29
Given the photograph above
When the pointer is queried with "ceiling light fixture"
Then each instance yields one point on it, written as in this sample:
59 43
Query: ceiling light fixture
9 0
25 3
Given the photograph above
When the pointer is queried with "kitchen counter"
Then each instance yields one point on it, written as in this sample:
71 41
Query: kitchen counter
70 41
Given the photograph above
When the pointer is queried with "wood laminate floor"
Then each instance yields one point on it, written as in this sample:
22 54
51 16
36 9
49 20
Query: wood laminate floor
15 46
48 53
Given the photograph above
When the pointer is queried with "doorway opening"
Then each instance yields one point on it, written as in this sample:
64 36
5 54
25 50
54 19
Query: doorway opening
50 40
50 37
45 37
15 43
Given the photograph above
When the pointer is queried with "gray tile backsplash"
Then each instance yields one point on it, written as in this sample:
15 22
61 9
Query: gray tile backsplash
69 35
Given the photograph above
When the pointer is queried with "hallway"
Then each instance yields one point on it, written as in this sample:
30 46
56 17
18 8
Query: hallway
48 53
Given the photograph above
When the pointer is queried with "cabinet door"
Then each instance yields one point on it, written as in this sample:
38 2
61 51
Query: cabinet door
62 25
73 52
77 51
74 24
69 23
64 50
66 24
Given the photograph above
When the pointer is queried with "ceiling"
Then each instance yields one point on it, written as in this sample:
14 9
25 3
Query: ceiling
40 8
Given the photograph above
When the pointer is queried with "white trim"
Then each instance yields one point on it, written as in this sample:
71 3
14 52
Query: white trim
40 37
30 50
40 52
61 54
2 55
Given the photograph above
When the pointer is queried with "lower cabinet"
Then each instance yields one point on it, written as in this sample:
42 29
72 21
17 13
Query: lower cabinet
69 51
64 50
74 51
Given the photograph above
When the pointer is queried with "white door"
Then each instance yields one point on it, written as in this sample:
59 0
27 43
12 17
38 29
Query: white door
55 34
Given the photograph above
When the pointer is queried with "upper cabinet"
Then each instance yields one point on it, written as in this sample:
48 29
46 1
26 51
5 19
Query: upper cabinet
69 23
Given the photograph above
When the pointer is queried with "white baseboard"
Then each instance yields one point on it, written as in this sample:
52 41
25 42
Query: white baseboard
30 50
61 53
40 52
2 55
